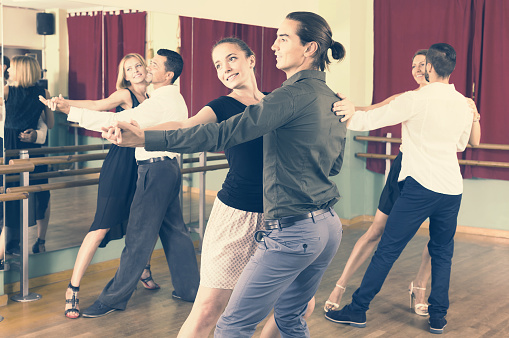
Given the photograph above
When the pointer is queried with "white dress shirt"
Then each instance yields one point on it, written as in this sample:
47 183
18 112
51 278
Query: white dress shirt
164 105
436 123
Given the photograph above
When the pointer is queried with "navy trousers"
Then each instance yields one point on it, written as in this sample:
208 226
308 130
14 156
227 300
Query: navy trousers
155 210
413 207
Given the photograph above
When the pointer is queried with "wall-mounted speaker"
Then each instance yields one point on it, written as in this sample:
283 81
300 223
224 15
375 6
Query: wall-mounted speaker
45 24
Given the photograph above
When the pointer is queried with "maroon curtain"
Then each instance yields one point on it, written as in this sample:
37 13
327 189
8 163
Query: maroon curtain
199 83
123 34
85 57
401 27
491 42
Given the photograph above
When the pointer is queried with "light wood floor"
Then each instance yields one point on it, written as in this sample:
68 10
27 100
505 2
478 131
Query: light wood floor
479 299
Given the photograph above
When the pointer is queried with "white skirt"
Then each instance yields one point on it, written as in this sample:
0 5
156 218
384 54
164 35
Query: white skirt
228 245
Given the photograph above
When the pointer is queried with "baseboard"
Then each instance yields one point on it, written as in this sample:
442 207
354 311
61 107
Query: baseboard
462 229
3 300
358 219
195 190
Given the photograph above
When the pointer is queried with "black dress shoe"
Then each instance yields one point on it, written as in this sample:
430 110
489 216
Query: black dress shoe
15 251
347 316
97 309
174 295
437 325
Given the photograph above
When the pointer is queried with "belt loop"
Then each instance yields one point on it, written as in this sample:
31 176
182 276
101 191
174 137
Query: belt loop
330 210
312 217
279 225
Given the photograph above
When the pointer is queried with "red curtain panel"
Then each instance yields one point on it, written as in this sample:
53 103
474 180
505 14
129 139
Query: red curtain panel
124 33
88 50
491 66
199 83
85 56
401 27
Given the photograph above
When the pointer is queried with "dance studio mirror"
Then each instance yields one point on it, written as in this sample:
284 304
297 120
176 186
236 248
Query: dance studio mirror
72 209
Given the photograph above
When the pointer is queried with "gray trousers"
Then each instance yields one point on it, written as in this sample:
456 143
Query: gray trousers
284 274
155 210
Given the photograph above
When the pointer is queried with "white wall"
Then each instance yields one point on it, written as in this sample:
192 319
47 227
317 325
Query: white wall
19 28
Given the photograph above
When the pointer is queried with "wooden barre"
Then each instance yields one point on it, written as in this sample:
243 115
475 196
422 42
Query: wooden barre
53 174
204 168
209 158
53 186
71 184
485 146
62 149
60 159
473 163
16 168
13 196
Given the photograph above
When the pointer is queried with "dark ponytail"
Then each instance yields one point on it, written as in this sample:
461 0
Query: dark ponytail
312 27
338 51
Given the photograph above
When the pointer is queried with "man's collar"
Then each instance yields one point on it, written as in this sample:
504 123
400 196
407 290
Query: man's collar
305 74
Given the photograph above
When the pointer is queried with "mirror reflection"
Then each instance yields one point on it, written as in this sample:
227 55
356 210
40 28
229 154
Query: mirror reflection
75 52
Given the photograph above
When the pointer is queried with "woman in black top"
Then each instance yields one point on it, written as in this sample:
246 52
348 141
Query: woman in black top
23 110
238 209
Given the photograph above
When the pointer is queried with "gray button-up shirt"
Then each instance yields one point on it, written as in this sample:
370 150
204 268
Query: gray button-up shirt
303 143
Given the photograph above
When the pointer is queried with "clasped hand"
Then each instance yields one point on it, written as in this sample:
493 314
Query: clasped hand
56 103
124 134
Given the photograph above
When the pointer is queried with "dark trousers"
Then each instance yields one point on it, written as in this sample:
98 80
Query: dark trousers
413 207
155 210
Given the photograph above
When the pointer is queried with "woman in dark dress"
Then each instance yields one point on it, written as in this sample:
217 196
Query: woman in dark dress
23 110
117 180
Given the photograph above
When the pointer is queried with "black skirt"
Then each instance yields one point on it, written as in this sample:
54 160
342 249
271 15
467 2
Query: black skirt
117 184
391 189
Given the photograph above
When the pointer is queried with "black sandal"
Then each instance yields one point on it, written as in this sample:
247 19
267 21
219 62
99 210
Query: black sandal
39 246
74 301
145 281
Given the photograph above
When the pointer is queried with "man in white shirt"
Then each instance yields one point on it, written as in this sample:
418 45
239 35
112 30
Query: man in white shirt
155 209
436 123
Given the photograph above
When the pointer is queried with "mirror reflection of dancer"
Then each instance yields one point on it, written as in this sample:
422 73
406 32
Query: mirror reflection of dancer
155 209
25 127
303 144
117 180
436 124
367 243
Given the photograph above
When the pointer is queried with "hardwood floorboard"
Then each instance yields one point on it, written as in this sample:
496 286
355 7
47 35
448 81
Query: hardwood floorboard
479 299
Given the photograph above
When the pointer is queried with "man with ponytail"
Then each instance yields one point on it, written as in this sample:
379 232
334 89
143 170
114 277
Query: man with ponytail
303 145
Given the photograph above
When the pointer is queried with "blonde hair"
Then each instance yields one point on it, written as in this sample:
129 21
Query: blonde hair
121 81
28 71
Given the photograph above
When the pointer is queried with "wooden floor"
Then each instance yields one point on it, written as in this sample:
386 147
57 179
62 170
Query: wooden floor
479 299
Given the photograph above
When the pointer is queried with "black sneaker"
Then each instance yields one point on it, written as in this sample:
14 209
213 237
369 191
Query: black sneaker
15 251
436 325
97 309
347 316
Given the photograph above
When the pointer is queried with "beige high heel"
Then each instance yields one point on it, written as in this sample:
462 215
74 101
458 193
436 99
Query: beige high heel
420 309
331 305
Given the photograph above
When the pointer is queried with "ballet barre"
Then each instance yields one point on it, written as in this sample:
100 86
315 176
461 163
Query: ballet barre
487 146
473 163
24 166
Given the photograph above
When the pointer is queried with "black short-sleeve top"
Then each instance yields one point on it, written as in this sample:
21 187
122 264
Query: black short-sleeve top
243 186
